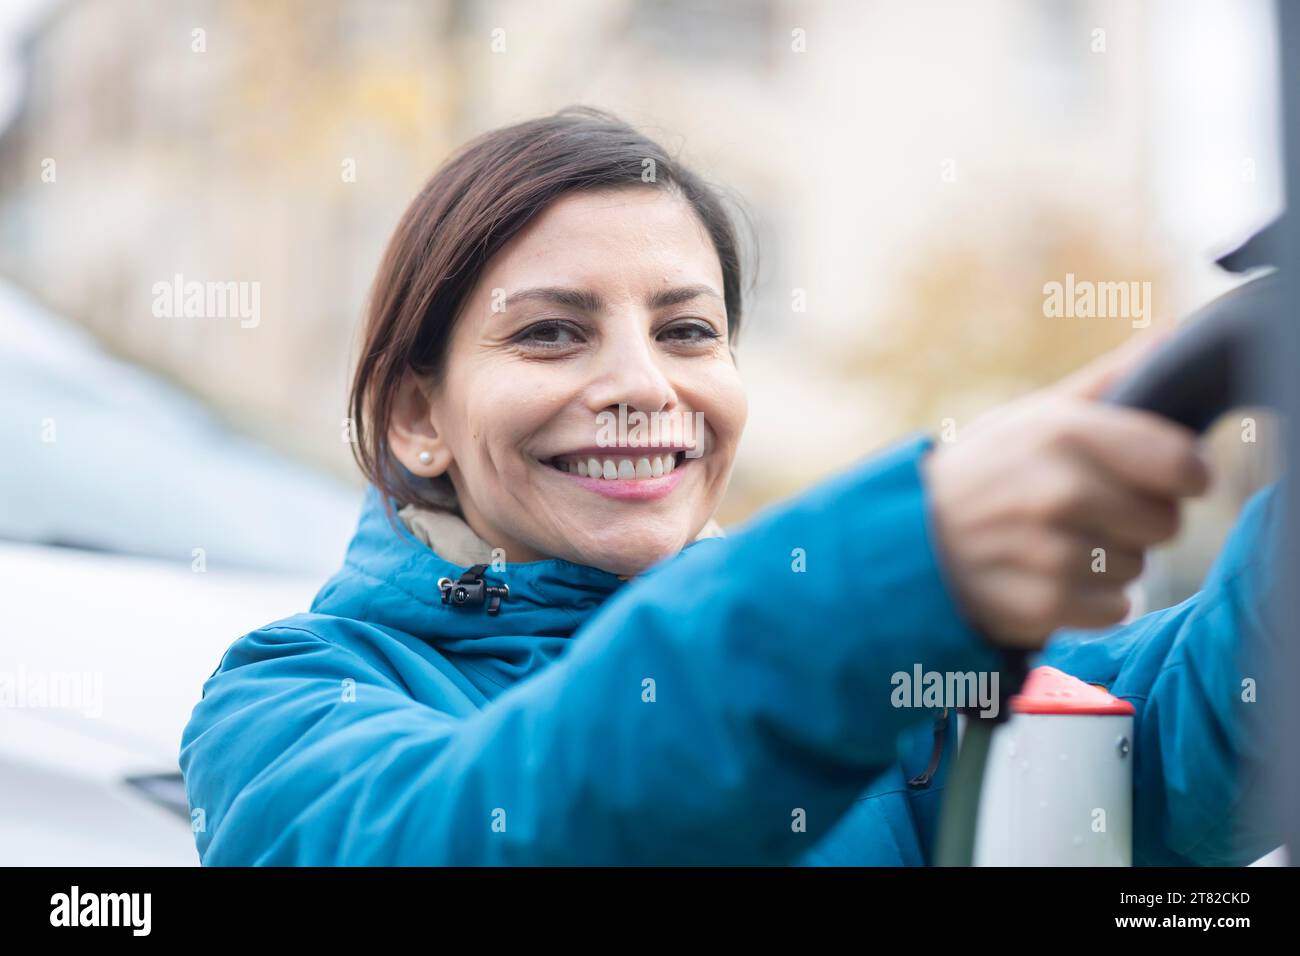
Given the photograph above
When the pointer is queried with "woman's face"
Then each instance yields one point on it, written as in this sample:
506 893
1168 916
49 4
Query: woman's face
607 305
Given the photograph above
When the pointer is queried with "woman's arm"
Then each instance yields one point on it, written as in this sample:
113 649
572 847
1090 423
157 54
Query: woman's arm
772 695
1196 674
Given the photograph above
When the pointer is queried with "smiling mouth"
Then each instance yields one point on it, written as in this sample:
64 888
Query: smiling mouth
618 467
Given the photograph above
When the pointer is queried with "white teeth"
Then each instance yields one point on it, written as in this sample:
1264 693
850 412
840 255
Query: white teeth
619 469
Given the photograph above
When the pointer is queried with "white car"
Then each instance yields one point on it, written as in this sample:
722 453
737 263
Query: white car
102 658
139 538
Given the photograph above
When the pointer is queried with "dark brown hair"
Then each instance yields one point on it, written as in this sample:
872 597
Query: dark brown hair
476 202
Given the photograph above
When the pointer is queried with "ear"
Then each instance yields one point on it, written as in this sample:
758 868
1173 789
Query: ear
412 432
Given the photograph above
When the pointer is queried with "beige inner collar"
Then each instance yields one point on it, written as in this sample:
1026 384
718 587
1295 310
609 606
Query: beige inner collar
447 535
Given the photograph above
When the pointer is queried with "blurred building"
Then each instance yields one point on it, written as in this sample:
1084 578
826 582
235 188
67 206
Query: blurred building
225 142
915 174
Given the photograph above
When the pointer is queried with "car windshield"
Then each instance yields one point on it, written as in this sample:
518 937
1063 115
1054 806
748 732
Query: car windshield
103 455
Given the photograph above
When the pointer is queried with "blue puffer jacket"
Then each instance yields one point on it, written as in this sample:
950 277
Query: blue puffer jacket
693 715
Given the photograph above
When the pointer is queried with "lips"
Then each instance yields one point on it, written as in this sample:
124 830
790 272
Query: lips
628 477
617 467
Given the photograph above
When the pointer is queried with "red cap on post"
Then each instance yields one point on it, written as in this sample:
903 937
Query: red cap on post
1049 691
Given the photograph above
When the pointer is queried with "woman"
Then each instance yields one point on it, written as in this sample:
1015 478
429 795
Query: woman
540 651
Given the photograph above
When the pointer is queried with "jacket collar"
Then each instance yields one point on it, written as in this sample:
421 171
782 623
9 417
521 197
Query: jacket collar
390 577
445 532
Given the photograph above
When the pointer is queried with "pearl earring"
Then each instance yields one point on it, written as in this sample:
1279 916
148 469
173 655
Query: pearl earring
425 457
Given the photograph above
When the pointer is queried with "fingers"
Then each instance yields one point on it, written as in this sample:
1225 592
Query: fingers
1139 449
1043 514
1084 560
1105 512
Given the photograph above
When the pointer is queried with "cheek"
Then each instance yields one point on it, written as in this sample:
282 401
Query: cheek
502 418
725 406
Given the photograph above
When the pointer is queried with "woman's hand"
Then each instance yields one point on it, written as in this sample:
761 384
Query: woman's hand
1043 508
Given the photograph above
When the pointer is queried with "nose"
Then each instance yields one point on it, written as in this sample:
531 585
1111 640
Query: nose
630 374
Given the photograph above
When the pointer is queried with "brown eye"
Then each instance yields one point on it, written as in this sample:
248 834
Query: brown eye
550 335
689 333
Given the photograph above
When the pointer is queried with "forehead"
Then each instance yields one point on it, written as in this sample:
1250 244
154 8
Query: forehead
646 234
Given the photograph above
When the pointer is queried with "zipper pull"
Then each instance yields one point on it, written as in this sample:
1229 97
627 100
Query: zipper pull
474 590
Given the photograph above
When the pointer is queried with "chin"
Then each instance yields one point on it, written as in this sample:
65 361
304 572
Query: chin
630 555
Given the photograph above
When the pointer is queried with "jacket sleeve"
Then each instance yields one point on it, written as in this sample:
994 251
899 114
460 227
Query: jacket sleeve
726 707
1198 678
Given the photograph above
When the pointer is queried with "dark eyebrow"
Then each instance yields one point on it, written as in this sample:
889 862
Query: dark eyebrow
671 297
578 299
585 301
